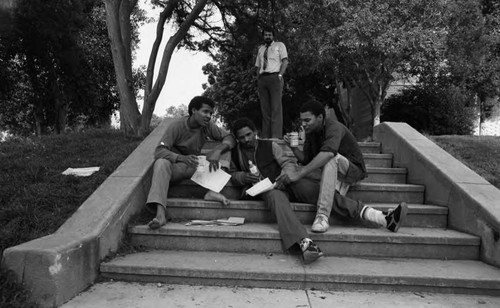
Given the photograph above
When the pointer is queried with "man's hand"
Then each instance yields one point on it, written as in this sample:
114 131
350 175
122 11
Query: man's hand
213 159
250 178
287 140
287 177
190 160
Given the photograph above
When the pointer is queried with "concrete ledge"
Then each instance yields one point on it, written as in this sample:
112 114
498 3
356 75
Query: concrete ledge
473 203
56 267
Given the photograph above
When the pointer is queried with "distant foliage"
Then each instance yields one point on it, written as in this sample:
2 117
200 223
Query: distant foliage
432 110
177 111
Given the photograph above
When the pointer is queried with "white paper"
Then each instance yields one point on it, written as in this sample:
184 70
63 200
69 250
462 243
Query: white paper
215 180
81 171
231 221
260 187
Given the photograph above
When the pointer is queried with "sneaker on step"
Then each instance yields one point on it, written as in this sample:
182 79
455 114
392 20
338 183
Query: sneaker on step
320 224
396 217
311 253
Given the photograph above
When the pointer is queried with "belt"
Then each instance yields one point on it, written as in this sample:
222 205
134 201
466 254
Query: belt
267 74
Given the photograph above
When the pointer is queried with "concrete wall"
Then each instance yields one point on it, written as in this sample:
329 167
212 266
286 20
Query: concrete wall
473 203
57 267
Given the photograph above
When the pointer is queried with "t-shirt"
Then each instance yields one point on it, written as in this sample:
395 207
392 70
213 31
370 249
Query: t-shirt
275 54
336 138
181 139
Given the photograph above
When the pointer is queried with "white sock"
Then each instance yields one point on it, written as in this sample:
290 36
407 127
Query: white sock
374 215
304 243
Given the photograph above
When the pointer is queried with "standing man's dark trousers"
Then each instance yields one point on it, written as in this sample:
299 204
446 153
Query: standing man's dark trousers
270 91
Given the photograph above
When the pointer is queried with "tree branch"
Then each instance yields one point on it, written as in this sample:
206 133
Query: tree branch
164 16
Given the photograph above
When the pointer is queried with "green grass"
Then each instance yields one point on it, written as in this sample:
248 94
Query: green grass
36 199
479 153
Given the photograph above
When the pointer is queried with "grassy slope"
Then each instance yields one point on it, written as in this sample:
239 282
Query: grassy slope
479 153
36 199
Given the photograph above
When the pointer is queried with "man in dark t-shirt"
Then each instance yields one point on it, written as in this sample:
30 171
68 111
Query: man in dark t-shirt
332 151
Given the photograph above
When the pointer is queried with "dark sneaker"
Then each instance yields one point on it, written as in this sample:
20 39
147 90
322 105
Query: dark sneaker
312 253
396 217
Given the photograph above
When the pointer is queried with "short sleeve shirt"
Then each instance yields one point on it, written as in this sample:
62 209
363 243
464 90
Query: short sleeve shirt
335 138
275 54
181 139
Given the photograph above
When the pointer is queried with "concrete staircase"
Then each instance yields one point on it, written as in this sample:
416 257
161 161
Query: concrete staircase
423 256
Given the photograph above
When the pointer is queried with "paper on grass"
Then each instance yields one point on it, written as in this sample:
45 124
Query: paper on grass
214 180
261 187
81 171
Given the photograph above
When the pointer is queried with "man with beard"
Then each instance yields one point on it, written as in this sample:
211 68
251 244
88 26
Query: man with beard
176 155
270 161
271 63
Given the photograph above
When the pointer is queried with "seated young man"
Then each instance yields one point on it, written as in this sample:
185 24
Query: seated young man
332 151
176 155
270 161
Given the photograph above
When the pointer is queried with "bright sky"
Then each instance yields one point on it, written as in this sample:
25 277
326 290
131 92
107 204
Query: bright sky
184 78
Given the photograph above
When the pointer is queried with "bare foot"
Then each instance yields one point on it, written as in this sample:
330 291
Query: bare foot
215 196
160 218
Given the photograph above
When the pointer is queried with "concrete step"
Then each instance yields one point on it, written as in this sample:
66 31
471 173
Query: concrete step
423 243
366 147
368 192
287 271
419 215
371 159
386 175
378 160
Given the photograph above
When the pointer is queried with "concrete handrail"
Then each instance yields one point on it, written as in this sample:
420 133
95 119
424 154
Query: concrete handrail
473 203
57 267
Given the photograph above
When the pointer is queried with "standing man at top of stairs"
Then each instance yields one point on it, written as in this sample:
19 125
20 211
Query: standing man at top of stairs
176 155
331 149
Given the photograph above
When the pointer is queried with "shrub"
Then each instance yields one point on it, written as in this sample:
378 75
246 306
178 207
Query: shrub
432 110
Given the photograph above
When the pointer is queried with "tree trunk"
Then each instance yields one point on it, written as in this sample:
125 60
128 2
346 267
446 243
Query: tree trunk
376 117
344 103
118 22
151 93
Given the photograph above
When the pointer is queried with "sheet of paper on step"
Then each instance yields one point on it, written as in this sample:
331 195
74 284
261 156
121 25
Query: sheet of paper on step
231 221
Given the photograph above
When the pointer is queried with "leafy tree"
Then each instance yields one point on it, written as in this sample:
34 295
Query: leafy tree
58 66
473 51
335 45
118 14
365 43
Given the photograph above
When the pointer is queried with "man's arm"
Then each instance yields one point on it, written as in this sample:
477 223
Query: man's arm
227 143
164 149
284 64
281 158
317 162
295 150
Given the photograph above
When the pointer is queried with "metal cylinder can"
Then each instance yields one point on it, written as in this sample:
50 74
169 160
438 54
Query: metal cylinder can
294 139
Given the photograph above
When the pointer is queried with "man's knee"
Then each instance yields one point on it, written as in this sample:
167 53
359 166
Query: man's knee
274 197
162 165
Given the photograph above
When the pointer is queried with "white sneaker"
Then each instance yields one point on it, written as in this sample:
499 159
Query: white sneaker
320 224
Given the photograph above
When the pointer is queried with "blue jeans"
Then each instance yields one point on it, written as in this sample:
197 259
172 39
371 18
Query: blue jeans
320 188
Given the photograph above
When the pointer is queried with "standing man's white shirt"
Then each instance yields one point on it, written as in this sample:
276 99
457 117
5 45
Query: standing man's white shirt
275 55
